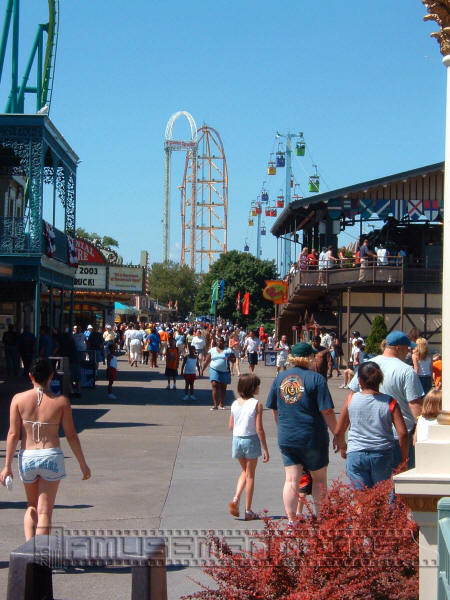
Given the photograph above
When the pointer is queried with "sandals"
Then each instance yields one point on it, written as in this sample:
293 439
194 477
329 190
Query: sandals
250 515
234 508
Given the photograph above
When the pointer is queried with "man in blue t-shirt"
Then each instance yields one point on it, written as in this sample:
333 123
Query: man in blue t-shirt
302 408
364 255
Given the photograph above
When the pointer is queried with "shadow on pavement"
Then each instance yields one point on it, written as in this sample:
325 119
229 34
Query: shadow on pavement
87 418
24 505
163 397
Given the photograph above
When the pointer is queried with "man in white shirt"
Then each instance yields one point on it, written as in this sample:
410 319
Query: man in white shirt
322 265
382 258
135 340
251 347
198 341
325 339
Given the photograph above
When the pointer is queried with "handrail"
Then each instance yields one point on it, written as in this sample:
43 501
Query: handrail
365 274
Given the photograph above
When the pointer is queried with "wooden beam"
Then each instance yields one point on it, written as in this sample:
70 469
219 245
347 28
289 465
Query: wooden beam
349 345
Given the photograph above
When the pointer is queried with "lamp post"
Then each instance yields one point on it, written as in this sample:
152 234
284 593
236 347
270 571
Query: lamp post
422 487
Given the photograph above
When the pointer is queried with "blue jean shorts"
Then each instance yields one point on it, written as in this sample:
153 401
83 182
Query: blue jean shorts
219 376
366 468
247 446
47 463
311 459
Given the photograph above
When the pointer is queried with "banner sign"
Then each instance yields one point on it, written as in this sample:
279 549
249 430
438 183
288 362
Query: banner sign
89 277
87 252
276 291
126 279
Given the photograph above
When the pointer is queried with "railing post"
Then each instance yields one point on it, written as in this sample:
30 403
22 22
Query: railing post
443 550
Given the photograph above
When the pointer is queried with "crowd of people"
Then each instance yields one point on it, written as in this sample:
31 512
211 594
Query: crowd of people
390 407
394 398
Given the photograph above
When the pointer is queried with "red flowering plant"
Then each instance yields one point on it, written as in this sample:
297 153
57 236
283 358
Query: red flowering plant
363 545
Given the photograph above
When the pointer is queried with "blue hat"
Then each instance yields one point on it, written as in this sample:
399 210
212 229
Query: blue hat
398 338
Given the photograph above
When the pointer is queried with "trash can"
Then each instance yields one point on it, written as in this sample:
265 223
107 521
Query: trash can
270 359
62 377
87 375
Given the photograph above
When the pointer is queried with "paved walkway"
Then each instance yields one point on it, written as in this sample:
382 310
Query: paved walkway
158 463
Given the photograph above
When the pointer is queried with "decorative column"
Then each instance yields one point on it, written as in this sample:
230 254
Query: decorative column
422 487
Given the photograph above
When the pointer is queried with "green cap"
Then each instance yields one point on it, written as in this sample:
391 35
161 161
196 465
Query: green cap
303 349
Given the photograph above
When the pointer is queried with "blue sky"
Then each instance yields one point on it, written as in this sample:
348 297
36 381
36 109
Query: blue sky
361 79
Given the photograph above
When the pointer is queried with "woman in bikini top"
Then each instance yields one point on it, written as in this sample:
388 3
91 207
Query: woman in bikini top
35 417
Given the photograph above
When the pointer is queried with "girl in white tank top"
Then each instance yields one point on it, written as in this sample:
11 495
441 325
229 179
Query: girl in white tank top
248 438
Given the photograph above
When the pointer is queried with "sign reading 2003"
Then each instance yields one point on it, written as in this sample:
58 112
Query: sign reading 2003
90 277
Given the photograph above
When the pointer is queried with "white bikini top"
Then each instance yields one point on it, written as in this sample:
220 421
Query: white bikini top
36 425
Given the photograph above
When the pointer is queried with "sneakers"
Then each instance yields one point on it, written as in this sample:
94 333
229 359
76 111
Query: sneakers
186 397
192 397
250 515
112 397
168 386
343 386
174 387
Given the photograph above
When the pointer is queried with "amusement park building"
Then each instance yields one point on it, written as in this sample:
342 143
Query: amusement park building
41 282
408 208
35 162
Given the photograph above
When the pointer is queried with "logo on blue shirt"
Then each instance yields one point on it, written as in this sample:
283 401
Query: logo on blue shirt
291 389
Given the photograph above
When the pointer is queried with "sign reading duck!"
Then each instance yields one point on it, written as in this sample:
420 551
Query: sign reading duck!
276 291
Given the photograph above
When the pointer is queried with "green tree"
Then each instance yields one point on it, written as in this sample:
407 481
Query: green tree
377 334
242 273
106 241
171 281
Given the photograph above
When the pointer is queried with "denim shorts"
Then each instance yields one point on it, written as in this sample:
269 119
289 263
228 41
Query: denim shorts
366 468
219 376
312 459
247 446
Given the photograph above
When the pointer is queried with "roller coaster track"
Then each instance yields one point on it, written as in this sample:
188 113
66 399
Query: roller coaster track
45 69
50 53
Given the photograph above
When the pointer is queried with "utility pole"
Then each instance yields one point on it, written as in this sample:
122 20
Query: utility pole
286 243
258 236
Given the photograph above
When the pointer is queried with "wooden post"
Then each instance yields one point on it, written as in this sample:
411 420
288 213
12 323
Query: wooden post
402 303
349 346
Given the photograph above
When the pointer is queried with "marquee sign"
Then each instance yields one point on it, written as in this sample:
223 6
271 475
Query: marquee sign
106 278
88 253
89 277
126 279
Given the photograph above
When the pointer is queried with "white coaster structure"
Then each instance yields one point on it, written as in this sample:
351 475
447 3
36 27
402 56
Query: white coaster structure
204 196
171 145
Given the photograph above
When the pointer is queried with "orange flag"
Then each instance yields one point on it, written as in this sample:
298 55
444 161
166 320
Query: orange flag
246 304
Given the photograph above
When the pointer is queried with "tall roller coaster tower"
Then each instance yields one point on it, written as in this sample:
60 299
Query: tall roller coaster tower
204 195
204 202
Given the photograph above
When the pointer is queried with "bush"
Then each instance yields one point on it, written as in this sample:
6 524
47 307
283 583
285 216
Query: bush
377 334
362 546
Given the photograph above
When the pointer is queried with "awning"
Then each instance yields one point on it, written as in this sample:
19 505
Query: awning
123 309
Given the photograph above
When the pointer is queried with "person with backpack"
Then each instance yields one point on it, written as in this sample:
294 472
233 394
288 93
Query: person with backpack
370 416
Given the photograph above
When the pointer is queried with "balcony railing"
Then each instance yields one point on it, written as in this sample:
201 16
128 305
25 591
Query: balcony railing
346 273
16 236
20 236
